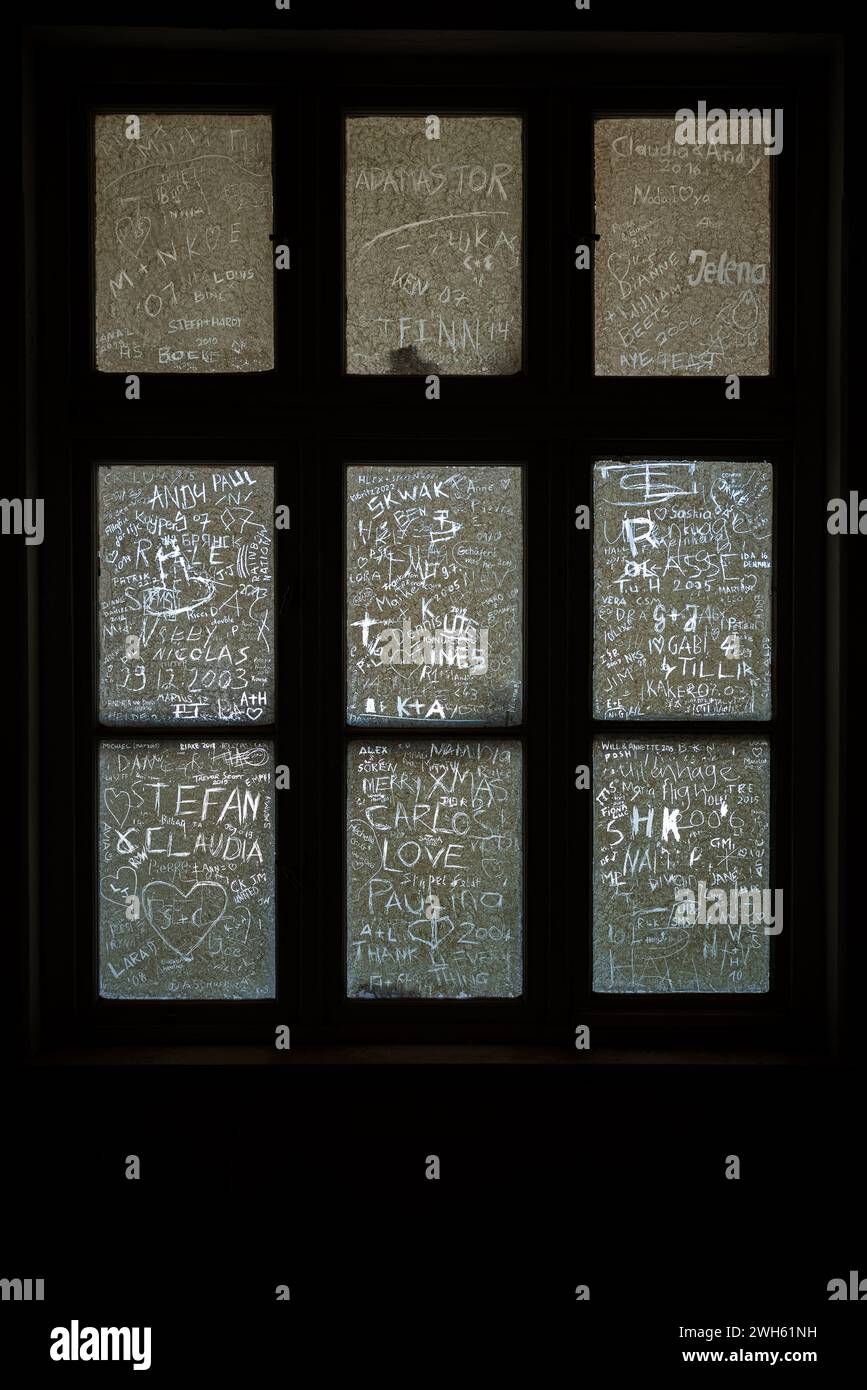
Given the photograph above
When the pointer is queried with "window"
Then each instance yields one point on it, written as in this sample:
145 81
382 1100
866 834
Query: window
186 603
688 817
434 640
185 636
186 882
434 231
683 623
434 871
435 574
683 265
183 262
437 647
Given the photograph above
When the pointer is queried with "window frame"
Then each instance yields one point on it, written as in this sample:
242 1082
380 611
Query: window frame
555 420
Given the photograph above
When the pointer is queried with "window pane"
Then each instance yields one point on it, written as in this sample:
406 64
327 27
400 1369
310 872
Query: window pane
434 597
682 589
672 816
434 870
683 261
184 268
433 245
186 864
186 593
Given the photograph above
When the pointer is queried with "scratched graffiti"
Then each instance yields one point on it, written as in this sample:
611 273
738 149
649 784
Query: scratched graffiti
183 257
434 595
186 610
434 862
433 232
186 870
683 259
682 589
672 815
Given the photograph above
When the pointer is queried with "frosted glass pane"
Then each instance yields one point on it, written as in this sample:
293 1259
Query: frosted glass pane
682 589
671 816
183 256
434 597
186 870
683 260
434 870
186 604
434 279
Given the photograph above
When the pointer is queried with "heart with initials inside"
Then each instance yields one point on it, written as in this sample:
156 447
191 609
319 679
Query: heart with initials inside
121 885
183 920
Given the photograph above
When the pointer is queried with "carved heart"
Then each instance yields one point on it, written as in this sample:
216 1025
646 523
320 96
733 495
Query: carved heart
212 236
128 226
179 924
437 935
114 801
120 885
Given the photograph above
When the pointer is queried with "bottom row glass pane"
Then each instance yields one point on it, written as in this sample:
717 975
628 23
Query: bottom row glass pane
434 898
434 870
681 825
186 887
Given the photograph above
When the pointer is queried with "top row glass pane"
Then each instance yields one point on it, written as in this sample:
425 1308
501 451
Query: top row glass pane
684 254
433 246
433 237
184 278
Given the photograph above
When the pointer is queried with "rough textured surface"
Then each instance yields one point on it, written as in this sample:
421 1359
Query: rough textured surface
186 611
184 264
656 203
434 601
186 847
434 900
434 246
682 589
667 816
